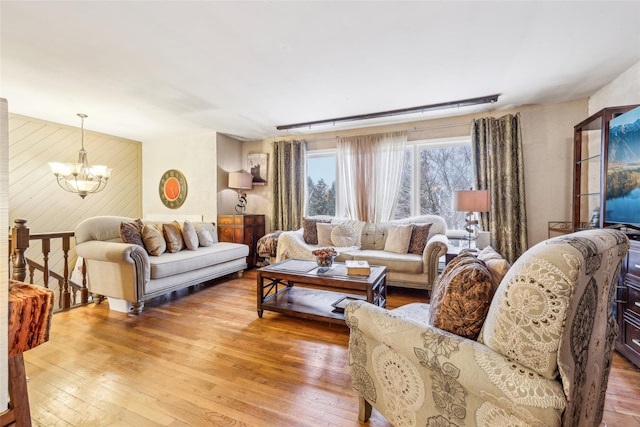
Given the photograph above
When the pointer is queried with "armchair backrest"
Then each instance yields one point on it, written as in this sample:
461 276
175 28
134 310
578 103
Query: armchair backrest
553 314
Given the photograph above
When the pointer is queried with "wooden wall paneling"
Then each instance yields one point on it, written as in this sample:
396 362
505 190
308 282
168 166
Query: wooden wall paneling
35 196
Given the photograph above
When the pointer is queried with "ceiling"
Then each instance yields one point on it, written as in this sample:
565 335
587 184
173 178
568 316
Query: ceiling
148 69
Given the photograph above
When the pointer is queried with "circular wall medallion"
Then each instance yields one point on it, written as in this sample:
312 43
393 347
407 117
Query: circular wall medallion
173 188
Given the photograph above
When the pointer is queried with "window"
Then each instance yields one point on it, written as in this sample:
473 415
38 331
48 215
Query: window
432 171
321 183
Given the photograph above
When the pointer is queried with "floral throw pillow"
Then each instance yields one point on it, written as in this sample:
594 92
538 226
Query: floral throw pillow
461 297
419 237
131 232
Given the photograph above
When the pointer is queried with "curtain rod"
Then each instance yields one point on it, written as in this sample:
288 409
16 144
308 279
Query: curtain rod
415 129
421 109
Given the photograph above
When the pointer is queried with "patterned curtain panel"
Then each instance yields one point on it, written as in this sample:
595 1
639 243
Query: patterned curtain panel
288 184
499 168
370 169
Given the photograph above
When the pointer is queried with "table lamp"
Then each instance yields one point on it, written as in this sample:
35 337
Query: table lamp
240 181
471 201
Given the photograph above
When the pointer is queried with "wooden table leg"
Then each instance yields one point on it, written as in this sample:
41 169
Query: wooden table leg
18 392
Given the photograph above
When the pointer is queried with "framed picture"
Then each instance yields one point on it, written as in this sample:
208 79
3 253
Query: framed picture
258 167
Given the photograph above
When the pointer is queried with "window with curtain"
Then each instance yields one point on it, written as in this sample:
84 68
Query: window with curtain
432 171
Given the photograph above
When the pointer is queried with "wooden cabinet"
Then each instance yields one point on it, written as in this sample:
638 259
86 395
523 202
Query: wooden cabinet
590 146
245 229
628 306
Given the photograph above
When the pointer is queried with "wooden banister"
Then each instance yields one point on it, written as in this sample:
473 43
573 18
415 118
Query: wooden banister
20 238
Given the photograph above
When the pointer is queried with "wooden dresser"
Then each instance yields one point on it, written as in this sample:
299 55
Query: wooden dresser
245 229
628 306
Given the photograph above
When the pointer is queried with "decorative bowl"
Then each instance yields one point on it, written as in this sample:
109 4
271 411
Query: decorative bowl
324 258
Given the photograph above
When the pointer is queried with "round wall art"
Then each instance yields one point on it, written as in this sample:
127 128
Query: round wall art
173 188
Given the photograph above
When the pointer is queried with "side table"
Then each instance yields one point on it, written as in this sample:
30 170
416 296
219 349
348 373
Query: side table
246 228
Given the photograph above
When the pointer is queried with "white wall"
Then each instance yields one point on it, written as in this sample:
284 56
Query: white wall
623 90
195 157
230 159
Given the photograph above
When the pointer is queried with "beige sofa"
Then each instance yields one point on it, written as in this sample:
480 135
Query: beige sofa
403 270
128 275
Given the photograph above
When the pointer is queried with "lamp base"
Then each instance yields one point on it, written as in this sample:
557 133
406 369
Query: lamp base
241 206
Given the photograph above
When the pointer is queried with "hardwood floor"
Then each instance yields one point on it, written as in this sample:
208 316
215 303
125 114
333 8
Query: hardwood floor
205 358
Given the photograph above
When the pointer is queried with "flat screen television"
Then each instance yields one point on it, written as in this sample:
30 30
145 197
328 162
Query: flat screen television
622 203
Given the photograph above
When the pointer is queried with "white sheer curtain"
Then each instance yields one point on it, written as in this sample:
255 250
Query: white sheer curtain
370 168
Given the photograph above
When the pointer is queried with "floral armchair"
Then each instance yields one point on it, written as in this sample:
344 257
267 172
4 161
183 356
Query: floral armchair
542 357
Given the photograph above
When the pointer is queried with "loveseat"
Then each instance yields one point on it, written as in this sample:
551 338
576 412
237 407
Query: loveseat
127 273
542 356
404 269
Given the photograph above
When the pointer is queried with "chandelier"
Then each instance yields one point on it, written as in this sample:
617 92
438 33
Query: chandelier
81 178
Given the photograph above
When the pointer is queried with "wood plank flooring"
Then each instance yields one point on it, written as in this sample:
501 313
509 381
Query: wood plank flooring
204 358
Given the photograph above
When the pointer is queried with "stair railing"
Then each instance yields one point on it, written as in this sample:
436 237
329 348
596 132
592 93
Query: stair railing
68 289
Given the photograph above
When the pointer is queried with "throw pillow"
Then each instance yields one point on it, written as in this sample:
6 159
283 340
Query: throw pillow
131 232
419 237
190 236
324 234
173 235
310 231
356 225
344 235
461 297
153 240
497 265
398 238
211 228
204 235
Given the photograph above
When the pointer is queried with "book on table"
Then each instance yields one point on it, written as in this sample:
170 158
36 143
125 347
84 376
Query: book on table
357 267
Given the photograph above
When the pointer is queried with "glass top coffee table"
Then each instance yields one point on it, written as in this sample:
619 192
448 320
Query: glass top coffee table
296 287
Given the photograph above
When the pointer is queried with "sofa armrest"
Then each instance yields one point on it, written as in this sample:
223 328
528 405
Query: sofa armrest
436 247
118 270
439 367
291 244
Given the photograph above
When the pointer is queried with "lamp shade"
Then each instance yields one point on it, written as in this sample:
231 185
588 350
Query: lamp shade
240 180
472 201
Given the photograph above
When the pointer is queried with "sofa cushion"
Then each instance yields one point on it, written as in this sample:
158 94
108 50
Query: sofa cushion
461 297
398 238
153 240
173 236
324 234
169 264
344 235
419 237
497 265
374 235
131 232
190 236
406 263
310 231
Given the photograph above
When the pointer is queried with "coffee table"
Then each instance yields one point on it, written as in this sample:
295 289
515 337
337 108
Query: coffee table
296 287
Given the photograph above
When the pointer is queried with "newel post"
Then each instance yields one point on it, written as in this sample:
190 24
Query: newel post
19 243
